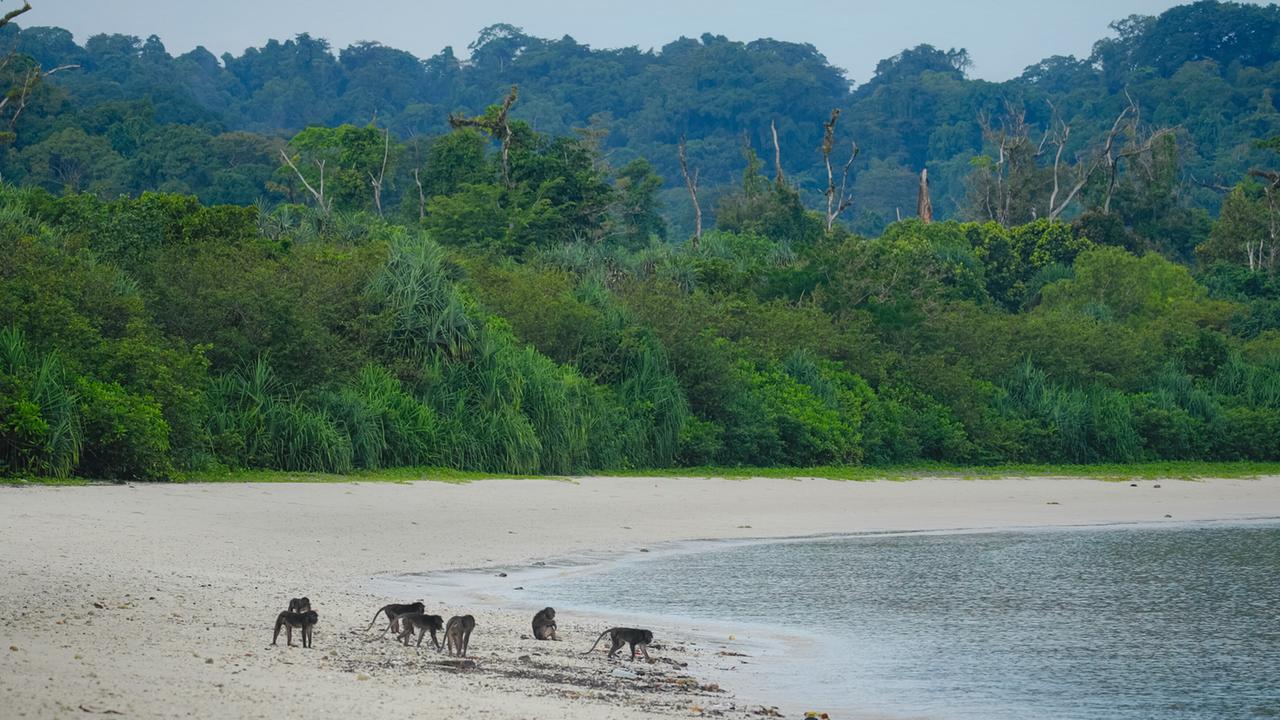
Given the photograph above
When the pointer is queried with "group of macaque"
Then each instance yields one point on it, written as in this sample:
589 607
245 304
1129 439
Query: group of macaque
408 619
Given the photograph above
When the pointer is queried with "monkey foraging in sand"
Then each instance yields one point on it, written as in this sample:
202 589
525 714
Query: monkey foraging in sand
544 624
618 636
290 620
422 624
457 634
393 613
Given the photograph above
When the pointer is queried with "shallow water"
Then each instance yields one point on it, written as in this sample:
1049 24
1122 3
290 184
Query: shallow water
1136 622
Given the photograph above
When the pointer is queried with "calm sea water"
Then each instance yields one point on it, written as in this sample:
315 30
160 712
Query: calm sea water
1136 622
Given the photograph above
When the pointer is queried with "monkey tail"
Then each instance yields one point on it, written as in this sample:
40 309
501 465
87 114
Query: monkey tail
597 642
375 619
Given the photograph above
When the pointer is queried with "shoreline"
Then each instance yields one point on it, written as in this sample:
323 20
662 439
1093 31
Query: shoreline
767 647
188 577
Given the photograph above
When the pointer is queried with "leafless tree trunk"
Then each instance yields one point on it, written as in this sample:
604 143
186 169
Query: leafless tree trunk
376 182
1106 155
691 181
837 202
321 201
777 153
924 206
422 198
21 95
1270 189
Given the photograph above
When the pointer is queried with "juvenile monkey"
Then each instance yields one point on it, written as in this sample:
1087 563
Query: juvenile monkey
422 624
290 620
301 604
393 613
457 634
634 637
544 624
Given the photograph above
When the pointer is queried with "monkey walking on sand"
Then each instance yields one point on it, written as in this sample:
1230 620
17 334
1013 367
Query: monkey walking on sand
393 612
457 634
619 636
421 623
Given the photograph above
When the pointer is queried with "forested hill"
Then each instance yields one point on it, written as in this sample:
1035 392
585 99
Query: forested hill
142 119
481 276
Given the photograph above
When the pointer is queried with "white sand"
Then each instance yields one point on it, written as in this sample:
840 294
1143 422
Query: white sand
190 578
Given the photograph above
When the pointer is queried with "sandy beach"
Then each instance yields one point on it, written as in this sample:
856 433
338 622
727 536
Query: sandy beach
157 601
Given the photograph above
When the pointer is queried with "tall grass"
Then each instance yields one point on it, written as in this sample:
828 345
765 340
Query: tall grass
1080 425
255 422
42 433
386 426
427 313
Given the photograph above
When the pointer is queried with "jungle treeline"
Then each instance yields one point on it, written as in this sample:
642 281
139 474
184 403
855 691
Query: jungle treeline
218 265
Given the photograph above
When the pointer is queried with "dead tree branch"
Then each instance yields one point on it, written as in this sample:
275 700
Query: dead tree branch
321 201
376 182
498 126
777 153
837 203
9 16
691 182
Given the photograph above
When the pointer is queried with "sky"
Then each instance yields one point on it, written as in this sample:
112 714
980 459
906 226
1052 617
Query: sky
1002 36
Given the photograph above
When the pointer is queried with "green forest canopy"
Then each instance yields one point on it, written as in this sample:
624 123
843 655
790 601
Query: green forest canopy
236 265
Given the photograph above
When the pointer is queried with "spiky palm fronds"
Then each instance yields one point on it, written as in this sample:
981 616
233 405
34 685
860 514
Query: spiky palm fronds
43 433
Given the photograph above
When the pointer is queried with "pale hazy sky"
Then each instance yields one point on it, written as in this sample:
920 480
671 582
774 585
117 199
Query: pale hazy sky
1002 36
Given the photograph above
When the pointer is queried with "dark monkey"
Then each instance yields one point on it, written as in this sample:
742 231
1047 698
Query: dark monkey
393 612
457 634
631 636
544 624
290 620
301 604
422 624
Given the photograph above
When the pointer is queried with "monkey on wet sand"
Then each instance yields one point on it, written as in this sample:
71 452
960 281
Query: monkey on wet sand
457 634
544 624
422 623
618 636
301 604
393 613
290 620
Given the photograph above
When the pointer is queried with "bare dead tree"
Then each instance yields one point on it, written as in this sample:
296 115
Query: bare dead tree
321 201
1108 155
691 182
1059 132
1270 189
777 153
498 126
422 198
21 95
837 202
376 182
1004 188
924 205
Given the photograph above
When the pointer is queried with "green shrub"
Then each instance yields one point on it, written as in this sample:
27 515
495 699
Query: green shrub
125 436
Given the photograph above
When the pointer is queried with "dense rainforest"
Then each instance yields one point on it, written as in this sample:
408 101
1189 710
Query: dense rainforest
553 259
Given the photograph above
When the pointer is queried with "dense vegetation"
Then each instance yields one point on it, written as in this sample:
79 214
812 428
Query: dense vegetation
196 276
